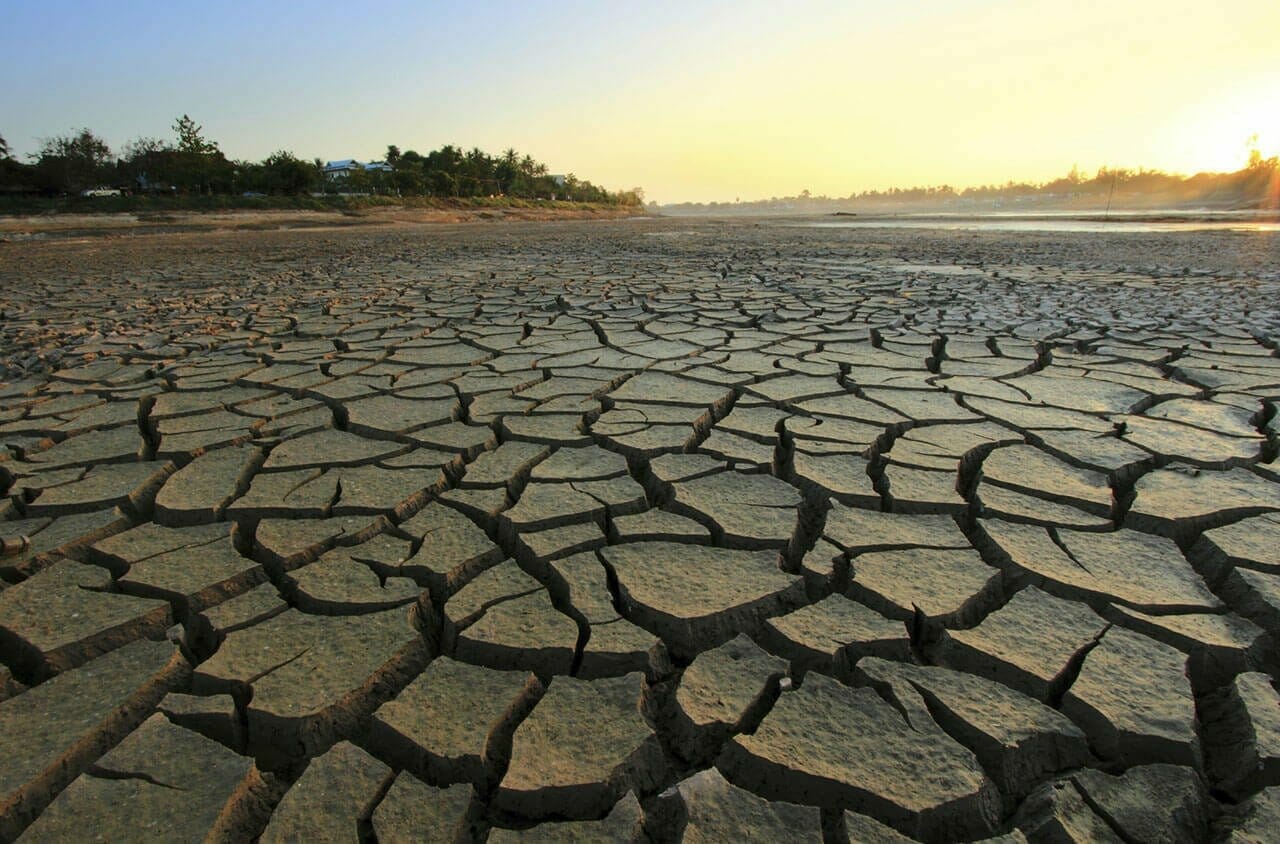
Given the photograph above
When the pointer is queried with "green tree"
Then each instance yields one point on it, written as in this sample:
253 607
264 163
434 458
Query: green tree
73 162
571 186
442 183
142 147
14 175
444 170
148 163
408 180
199 166
283 172
507 170
409 177
478 176
393 154
191 138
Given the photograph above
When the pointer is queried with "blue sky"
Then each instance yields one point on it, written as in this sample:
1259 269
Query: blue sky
691 100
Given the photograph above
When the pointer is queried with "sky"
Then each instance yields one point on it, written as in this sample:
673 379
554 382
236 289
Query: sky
696 100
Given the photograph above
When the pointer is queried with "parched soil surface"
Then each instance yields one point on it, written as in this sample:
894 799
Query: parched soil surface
640 530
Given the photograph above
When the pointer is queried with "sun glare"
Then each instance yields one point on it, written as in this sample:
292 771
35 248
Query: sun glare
1223 132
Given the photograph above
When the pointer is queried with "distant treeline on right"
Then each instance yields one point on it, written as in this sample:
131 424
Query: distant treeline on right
1256 187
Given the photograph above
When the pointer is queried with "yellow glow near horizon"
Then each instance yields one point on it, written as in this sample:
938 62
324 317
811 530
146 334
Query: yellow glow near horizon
1220 131
690 99
960 94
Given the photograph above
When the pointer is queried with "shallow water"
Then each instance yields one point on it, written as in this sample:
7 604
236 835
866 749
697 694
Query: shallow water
996 223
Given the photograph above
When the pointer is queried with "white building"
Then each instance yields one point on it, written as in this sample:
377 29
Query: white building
343 168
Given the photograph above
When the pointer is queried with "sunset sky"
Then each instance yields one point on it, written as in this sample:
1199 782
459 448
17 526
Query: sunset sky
690 100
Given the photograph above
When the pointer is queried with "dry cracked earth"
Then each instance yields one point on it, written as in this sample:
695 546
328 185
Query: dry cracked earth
640 531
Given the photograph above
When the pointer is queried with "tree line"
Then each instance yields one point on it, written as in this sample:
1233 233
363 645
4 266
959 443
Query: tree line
1254 181
1255 186
192 164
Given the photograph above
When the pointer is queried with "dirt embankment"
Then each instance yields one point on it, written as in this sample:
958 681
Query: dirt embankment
62 225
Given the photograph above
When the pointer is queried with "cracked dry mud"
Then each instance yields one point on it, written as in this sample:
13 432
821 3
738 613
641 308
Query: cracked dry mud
640 531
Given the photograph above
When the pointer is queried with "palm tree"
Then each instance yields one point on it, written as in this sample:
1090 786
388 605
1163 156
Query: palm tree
508 170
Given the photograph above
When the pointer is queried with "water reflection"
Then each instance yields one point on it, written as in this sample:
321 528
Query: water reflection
1004 224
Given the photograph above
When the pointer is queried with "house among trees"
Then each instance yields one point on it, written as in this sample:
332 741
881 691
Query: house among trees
344 168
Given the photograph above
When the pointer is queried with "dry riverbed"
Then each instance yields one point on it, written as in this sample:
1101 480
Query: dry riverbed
639 530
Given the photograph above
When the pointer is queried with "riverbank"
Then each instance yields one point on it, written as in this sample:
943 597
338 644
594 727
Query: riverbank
116 216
